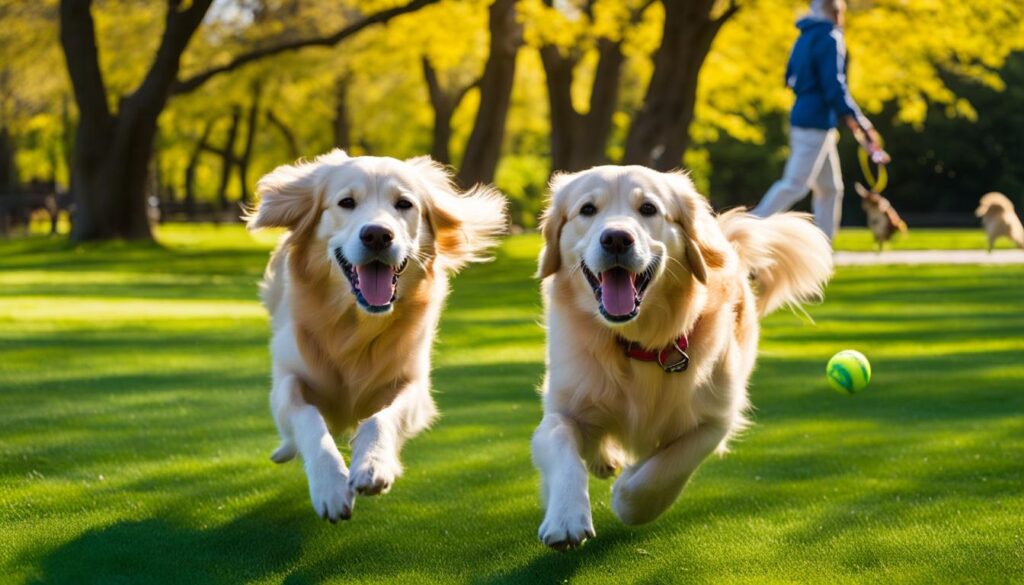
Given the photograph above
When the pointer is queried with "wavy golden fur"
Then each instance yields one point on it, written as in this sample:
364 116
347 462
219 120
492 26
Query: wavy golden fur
713 280
337 364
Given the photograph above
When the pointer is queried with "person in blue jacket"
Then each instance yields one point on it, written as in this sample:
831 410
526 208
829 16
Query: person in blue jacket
817 75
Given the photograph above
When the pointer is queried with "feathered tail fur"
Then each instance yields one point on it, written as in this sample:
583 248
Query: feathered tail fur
790 260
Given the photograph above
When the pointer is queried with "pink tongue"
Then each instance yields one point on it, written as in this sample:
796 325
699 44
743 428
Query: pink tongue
376 282
618 295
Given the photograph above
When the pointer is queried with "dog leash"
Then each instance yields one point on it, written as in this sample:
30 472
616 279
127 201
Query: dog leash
876 181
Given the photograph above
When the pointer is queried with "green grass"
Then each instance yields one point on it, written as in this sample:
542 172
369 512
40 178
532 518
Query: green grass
860 239
134 435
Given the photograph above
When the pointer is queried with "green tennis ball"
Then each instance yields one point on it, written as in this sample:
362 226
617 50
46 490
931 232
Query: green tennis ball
848 371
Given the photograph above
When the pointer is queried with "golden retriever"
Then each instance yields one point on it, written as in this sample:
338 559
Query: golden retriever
999 219
652 309
883 220
355 290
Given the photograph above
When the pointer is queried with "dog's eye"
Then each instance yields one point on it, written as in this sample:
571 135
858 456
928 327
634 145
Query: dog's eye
347 203
648 209
588 209
403 204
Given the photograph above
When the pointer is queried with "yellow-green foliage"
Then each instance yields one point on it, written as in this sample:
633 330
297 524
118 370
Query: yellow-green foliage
899 48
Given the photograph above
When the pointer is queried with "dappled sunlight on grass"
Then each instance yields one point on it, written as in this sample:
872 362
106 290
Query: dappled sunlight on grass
135 435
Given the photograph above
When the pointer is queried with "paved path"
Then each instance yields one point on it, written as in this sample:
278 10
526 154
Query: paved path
908 257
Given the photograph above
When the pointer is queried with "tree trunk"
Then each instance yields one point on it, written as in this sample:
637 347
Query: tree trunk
443 107
7 177
484 146
342 123
193 165
227 158
660 135
286 132
112 152
578 141
444 102
250 139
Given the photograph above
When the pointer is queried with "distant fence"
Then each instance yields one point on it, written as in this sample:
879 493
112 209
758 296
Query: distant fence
172 211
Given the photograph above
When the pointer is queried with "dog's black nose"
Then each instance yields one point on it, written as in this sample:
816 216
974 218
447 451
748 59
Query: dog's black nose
616 241
376 237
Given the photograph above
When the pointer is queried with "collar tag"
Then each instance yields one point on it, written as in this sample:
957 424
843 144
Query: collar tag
671 359
674 358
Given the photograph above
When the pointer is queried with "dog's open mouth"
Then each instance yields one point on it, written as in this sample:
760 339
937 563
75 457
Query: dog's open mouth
618 291
374 284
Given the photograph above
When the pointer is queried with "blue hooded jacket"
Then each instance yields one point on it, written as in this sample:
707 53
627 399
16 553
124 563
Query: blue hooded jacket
817 74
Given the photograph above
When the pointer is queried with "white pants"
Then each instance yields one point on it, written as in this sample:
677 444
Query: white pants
813 164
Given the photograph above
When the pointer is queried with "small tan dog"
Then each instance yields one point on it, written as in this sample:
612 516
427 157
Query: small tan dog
653 322
999 219
354 291
883 221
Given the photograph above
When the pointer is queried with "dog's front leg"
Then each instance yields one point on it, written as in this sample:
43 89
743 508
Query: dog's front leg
649 487
303 429
379 439
557 455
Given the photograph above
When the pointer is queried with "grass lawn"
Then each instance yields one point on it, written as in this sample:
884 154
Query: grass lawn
134 436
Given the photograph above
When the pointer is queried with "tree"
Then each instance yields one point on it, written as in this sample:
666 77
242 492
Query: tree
113 149
444 102
579 139
485 142
660 132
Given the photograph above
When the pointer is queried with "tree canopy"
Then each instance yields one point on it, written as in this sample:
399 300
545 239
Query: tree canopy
263 81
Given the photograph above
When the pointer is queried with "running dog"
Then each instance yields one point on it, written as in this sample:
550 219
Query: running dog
355 291
652 308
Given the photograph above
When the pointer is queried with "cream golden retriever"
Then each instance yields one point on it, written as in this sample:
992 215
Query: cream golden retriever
652 309
999 219
355 290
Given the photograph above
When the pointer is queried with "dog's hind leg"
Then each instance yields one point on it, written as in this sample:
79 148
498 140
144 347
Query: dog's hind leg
379 439
303 429
557 454
649 487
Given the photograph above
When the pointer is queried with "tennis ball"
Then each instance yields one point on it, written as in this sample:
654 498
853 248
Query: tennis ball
848 371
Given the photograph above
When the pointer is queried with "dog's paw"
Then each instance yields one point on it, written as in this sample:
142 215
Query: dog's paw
284 453
633 504
563 531
328 488
370 478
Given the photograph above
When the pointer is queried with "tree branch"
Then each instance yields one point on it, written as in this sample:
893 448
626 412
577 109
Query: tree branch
195 81
178 31
731 11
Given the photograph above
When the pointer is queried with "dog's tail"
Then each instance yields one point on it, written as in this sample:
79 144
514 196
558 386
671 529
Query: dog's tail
789 259
993 200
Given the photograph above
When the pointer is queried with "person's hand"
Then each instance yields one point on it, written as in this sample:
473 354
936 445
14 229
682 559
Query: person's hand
878 154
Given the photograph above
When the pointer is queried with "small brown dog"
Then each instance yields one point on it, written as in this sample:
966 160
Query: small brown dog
1000 220
883 221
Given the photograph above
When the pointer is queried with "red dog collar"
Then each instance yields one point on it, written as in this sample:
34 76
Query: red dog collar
672 358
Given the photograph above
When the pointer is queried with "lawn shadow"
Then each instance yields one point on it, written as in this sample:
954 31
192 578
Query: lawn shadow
157 551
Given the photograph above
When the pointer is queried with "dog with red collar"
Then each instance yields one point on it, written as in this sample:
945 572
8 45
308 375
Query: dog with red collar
652 310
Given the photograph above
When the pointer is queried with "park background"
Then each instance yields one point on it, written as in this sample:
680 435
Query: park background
506 92
134 427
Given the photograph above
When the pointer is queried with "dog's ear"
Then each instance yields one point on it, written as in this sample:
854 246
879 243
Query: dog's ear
693 215
465 225
289 196
861 190
551 223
